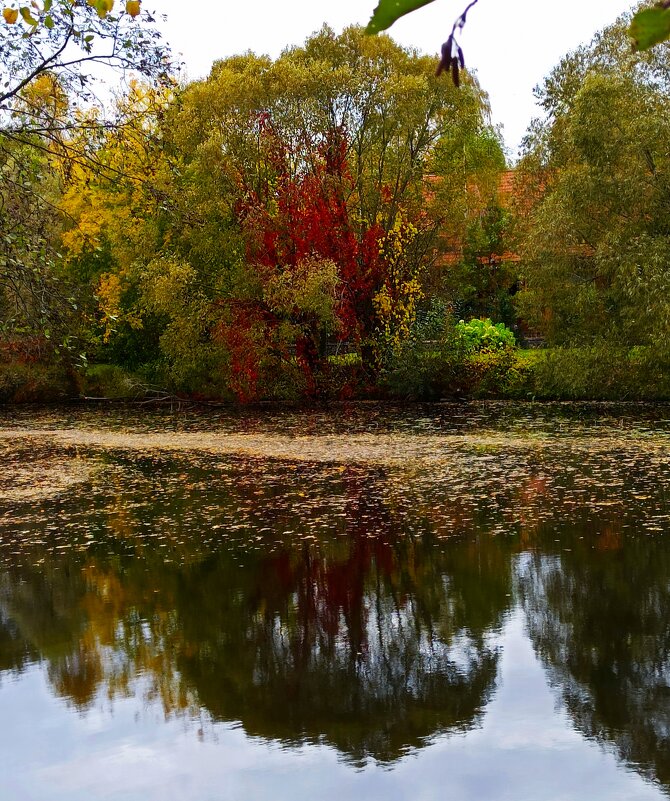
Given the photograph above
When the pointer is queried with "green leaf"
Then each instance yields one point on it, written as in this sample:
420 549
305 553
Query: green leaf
650 26
47 6
27 16
48 22
388 11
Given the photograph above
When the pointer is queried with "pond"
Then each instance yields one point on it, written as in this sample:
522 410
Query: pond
365 602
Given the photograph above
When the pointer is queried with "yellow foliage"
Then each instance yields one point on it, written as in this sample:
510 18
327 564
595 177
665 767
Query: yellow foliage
168 283
109 296
79 204
117 203
395 303
306 290
45 95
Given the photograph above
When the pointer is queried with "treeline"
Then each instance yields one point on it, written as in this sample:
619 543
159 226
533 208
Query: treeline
230 233
329 224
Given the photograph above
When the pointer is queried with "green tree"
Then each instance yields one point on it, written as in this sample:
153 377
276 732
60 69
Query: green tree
482 284
594 224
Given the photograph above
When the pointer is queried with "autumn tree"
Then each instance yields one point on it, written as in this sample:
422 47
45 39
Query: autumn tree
113 221
283 204
51 125
334 139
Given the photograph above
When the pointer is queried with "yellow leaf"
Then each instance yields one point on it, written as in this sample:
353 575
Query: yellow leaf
10 15
104 7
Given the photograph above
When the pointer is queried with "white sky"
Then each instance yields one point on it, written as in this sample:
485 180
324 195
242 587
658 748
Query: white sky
511 43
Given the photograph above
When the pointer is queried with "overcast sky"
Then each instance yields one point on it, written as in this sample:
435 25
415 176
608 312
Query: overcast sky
511 43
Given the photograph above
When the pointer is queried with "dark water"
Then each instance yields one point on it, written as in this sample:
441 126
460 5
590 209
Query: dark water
426 603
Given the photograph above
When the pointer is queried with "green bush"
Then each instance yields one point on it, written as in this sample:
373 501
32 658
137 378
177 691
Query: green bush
456 371
420 375
111 382
602 372
482 335
497 374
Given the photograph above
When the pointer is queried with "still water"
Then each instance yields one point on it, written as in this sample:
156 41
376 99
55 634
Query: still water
438 602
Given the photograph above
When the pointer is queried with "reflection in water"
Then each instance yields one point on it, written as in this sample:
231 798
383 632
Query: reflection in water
354 651
15 651
599 617
350 604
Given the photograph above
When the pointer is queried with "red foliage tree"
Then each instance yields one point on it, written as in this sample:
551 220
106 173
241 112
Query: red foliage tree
301 209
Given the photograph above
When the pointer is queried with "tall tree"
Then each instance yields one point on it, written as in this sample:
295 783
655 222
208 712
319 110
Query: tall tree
52 57
596 243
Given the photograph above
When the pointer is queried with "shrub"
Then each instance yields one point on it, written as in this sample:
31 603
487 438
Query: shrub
602 372
35 383
498 374
110 381
484 335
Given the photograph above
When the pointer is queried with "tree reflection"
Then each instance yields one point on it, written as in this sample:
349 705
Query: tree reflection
598 614
15 651
353 650
365 639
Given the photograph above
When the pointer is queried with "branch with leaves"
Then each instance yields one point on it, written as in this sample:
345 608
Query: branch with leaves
69 38
51 53
649 27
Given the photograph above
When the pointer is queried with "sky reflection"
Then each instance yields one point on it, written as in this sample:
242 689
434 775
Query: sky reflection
526 748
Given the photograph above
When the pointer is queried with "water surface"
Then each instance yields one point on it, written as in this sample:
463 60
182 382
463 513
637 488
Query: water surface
469 602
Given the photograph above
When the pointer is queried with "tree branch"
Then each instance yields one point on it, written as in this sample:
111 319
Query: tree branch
38 70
